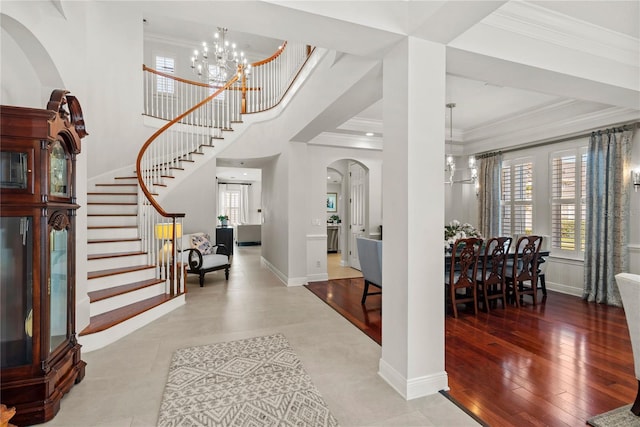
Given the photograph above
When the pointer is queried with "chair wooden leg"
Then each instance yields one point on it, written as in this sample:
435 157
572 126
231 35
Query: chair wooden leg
226 273
636 405
453 302
365 292
543 284
201 280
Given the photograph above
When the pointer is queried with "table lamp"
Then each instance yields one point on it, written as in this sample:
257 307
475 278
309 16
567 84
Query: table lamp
164 232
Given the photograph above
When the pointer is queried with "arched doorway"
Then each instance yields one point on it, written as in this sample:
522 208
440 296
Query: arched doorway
348 180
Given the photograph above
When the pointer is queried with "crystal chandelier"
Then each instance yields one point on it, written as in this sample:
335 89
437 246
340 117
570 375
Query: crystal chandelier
216 66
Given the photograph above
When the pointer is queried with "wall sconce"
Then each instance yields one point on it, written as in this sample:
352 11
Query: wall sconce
635 178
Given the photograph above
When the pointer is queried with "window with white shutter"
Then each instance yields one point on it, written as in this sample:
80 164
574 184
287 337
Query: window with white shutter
232 206
517 197
165 65
568 199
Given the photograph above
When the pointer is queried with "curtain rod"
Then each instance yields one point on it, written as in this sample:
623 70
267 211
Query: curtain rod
556 141
235 183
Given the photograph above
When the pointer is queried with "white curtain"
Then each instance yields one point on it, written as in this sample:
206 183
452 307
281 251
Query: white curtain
244 204
222 190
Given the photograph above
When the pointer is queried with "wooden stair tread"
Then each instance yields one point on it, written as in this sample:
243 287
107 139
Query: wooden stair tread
112 214
106 320
131 239
116 185
113 193
119 270
114 255
97 227
123 289
113 203
126 177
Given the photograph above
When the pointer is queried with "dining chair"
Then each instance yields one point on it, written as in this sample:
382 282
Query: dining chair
491 282
522 272
461 275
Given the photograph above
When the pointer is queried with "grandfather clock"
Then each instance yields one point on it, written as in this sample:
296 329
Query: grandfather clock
39 353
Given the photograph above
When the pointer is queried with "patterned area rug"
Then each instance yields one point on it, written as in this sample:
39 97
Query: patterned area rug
253 382
621 417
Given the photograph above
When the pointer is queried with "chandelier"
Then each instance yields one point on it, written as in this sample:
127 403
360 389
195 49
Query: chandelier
450 161
216 66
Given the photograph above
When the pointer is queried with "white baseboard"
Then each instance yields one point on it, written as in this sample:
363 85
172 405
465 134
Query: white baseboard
564 289
415 387
289 281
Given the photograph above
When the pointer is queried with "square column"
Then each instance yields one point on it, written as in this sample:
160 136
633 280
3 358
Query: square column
413 210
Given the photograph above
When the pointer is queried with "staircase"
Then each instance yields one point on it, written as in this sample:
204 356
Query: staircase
123 288
127 288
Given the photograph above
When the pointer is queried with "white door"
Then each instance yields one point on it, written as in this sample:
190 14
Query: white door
357 210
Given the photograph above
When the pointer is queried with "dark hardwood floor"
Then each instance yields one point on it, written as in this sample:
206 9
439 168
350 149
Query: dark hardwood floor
556 364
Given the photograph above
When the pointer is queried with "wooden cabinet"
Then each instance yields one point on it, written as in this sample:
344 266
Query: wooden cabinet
39 355
224 235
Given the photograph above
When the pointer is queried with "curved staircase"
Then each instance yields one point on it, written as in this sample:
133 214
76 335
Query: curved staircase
128 283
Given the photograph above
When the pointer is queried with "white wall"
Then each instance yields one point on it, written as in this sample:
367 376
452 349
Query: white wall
196 196
33 64
275 215
563 274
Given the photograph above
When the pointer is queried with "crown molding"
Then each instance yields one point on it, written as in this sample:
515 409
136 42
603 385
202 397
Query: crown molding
552 27
360 124
332 139
534 133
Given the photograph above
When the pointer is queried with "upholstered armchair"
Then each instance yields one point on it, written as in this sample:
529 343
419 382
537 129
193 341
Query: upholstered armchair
629 286
201 256
370 256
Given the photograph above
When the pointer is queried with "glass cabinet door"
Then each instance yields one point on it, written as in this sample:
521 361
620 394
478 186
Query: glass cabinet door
58 177
58 287
13 170
16 291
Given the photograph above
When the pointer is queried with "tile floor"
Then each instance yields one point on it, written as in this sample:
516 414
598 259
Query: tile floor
124 381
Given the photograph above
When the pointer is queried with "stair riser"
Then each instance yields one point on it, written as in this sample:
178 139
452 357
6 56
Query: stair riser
112 233
118 301
112 209
116 262
112 198
109 247
116 188
101 339
101 221
119 279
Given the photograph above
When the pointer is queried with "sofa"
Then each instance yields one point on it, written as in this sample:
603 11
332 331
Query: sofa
202 256
248 234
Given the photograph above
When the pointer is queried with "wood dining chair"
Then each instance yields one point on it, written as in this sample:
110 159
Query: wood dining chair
462 272
491 278
522 276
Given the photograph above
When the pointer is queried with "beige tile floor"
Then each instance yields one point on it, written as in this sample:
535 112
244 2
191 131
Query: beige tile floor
124 381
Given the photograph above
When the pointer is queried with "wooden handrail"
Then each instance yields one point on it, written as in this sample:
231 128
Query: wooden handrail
272 57
143 186
310 50
195 83
178 79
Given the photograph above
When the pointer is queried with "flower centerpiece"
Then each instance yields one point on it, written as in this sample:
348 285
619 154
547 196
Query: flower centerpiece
456 230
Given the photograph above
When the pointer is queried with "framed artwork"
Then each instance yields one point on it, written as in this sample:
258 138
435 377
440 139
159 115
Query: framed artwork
332 202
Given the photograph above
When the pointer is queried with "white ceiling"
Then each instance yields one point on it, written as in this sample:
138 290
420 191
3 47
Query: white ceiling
371 27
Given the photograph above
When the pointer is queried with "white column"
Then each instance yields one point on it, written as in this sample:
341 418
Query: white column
413 210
